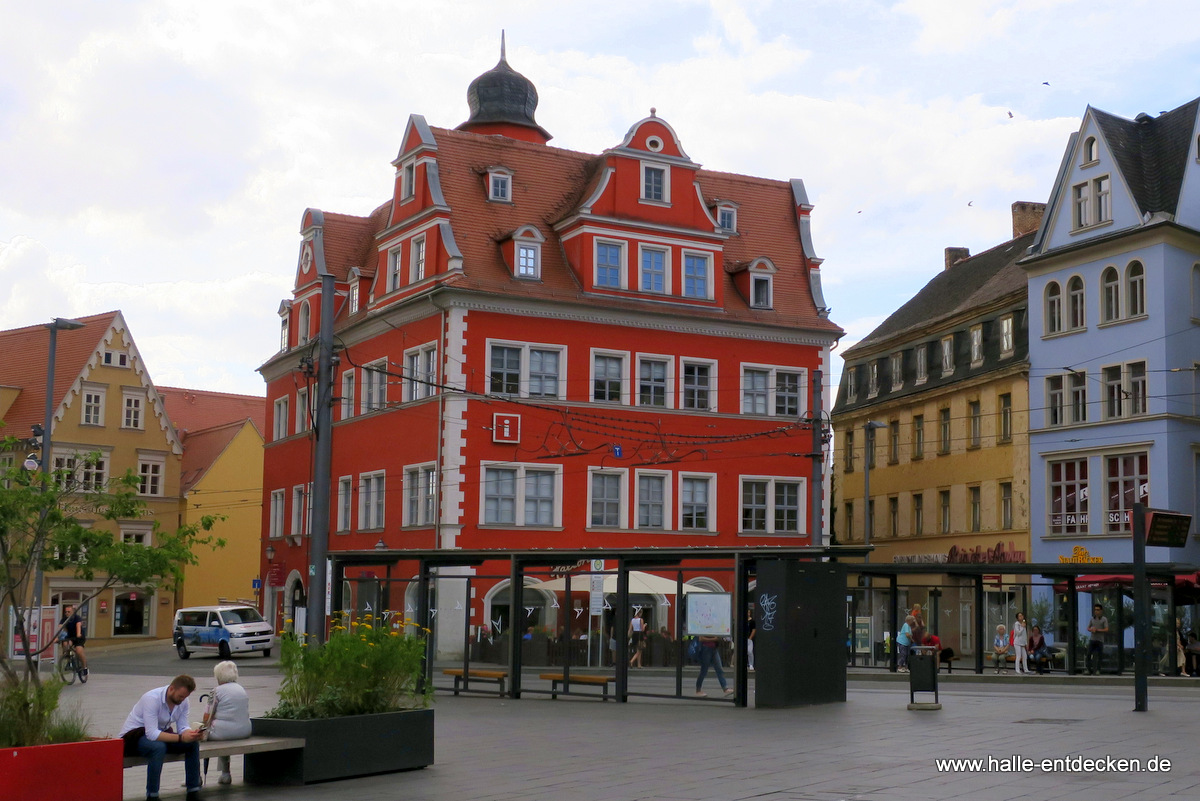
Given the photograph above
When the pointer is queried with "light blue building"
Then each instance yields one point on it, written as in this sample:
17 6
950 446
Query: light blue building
1114 338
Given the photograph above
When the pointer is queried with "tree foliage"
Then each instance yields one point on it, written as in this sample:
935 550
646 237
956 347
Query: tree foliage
54 520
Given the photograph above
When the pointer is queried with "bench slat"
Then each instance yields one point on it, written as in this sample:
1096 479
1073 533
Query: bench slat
220 748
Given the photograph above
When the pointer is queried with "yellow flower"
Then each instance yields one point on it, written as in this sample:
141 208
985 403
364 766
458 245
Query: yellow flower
371 644
394 634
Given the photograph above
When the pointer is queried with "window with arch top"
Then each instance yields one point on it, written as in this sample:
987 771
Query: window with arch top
1075 299
1135 288
1110 284
1054 318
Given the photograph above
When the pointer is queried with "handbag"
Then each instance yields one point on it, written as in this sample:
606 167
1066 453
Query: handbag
694 649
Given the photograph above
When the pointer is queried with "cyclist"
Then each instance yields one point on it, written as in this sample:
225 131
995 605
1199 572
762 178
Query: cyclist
76 635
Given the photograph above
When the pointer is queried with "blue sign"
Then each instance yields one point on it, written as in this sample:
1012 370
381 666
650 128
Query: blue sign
256 584
617 451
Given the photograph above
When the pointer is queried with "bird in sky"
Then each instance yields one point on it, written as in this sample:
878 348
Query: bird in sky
1010 116
970 202
1045 83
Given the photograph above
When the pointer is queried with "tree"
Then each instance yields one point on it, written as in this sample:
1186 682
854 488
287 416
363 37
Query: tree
48 520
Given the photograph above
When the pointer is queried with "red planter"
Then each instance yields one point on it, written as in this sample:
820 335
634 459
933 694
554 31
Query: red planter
88 771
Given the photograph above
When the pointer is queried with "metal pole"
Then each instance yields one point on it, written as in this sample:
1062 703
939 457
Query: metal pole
1141 611
816 487
318 546
867 489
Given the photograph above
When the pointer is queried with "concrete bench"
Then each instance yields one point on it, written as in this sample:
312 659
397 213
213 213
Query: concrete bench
582 678
222 748
498 676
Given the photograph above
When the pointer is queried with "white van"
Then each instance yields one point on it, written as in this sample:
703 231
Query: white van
221 630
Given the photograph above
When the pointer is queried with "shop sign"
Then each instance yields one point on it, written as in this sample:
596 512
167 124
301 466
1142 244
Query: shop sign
1000 554
920 559
1080 556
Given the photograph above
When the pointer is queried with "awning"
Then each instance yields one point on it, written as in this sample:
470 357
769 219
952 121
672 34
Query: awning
1088 583
640 583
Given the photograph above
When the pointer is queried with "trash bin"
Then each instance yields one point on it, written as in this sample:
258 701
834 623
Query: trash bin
923 677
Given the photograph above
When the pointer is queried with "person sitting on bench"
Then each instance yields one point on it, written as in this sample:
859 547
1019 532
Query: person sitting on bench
157 725
1038 651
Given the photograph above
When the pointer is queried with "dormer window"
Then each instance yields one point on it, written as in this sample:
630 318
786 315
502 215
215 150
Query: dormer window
1091 151
500 185
655 184
285 314
760 291
727 218
354 298
408 180
416 261
302 328
528 253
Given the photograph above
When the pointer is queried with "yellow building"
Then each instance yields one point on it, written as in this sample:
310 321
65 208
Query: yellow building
103 402
932 413
222 475
196 452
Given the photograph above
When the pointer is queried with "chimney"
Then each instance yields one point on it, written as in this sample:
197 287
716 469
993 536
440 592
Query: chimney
1026 217
955 255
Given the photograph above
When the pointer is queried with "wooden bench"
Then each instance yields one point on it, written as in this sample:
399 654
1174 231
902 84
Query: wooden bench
582 678
222 748
498 676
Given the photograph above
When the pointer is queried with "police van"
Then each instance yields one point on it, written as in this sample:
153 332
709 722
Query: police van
221 630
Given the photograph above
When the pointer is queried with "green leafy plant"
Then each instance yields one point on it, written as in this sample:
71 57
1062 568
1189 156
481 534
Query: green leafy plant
45 523
365 667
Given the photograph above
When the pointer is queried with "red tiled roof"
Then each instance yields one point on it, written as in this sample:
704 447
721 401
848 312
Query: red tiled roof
202 448
193 410
549 183
26 361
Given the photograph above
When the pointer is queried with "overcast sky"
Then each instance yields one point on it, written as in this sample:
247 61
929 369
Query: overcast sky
155 157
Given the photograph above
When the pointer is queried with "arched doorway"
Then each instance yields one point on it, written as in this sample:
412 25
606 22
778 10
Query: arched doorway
131 614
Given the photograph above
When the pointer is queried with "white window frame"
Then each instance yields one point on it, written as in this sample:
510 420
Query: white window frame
532 270
88 475
1135 290
622 476
646 166
1076 303
284 331
709 279
152 474
277 514
395 266
852 383
499 188
420 494
1102 199
1007 335
711 480
304 323
408 180
137 534
665 252
772 507
1110 295
762 278
1131 394
976 334
624 357
116 358
93 397
416 259
345 504
1053 308
304 409
372 500
301 510
974 424
731 211
1075 497
1056 401
373 386
921 353
421 383
523 379
1138 482
133 409
521 468
773 371
349 385
667 504
711 364
669 388
1091 150
281 419
947 353
1077 396
897 368
622 264
353 295
1081 206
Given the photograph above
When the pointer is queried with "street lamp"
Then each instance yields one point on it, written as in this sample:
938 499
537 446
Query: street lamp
869 429
54 326
270 553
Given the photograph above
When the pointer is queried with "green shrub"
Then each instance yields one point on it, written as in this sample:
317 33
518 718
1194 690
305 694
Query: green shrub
26 711
362 669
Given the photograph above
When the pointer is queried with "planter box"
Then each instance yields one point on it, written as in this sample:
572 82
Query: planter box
35 773
342 748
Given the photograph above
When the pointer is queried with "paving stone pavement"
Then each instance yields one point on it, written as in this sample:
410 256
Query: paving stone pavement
871 747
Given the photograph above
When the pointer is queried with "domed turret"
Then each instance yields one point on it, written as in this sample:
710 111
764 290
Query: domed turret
502 101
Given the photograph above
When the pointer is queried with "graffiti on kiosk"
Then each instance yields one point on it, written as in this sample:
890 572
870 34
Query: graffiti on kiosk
766 603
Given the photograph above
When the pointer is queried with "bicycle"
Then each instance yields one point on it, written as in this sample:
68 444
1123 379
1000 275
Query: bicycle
69 666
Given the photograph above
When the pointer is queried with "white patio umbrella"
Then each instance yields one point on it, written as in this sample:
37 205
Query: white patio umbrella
639 584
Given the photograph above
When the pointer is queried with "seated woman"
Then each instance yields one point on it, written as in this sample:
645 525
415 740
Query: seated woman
1000 649
228 713
1038 652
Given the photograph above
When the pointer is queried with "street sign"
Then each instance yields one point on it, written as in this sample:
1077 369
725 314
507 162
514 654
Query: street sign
256 584
1167 529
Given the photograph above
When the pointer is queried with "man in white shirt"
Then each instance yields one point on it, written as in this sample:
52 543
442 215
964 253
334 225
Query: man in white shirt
158 725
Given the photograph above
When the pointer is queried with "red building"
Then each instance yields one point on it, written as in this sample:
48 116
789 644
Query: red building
541 348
